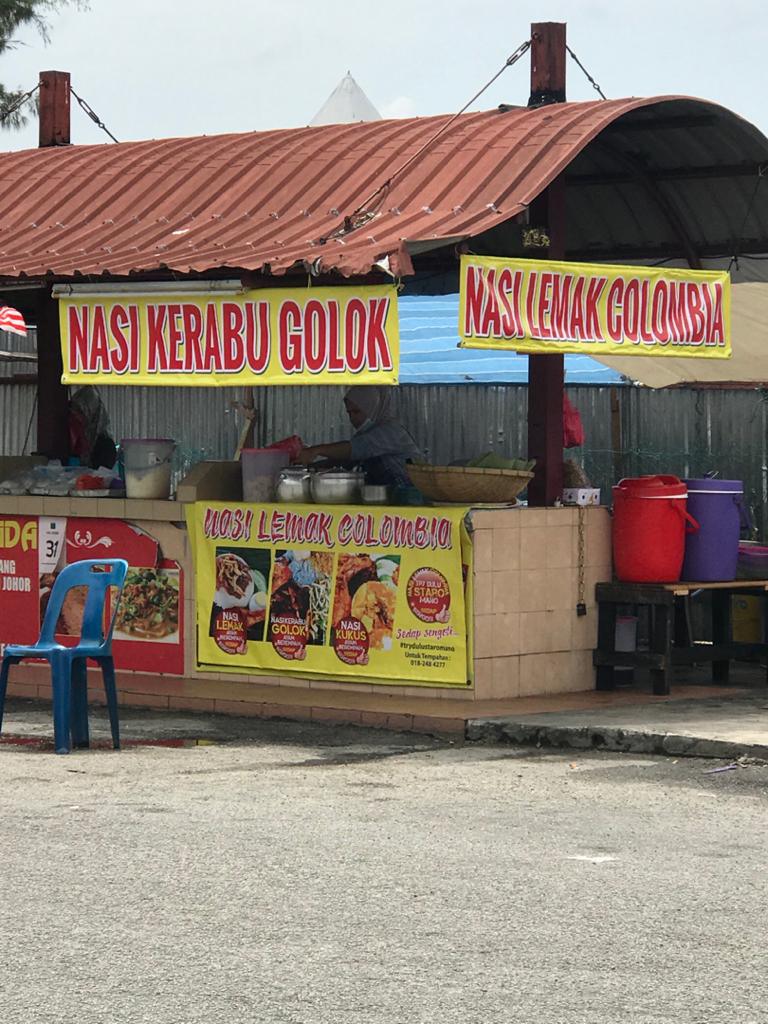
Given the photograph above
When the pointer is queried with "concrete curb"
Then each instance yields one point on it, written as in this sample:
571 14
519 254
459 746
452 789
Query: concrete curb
12 739
597 737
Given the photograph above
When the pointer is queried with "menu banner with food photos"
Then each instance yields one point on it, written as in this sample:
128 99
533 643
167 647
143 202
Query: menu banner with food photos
148 634
332 591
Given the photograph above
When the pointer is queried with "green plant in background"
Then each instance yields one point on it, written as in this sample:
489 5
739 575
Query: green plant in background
15 16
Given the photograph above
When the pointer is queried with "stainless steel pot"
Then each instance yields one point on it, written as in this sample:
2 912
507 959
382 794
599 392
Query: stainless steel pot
294 484
375 494
337 487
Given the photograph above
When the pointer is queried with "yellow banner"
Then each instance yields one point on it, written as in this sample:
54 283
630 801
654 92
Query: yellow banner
545 306
333 591
278 336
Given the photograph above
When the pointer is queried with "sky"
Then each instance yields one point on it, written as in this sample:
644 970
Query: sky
161 68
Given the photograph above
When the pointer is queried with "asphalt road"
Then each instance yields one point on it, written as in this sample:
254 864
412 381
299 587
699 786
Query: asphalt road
343 876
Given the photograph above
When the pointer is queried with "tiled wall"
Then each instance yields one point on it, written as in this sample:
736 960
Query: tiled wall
528 637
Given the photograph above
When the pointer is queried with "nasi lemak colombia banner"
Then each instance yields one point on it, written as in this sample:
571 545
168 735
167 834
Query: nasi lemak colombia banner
546 306
374 596
346 335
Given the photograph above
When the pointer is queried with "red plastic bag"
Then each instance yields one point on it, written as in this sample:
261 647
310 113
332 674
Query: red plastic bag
292 445
573 428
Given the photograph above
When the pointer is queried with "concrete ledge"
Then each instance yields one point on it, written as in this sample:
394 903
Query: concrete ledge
718 729
29 722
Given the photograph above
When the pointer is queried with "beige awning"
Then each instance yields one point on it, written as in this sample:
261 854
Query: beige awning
747 365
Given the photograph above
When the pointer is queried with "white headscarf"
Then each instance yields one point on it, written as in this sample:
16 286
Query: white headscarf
375 402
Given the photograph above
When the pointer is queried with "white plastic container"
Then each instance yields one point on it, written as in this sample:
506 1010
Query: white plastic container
261 468
626 633
147 464
581 496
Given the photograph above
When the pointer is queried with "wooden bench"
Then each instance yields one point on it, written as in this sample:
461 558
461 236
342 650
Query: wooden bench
670 642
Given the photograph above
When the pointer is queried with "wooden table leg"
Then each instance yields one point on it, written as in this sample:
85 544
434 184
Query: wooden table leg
683 636
606 643
662 630
721 631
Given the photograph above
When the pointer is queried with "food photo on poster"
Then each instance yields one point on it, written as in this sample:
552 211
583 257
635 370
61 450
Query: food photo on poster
149 609
239 607
300 600
366 592
148 631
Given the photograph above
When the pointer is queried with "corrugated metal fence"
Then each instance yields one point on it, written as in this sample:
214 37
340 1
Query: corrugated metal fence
687 432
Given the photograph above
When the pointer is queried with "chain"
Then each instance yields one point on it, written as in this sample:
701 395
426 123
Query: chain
92 114
581 607
5 114
363 213
589 77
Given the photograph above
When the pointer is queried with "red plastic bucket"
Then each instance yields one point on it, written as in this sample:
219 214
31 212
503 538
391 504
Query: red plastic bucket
649 526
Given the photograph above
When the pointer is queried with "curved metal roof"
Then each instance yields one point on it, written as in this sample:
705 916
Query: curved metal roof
665 175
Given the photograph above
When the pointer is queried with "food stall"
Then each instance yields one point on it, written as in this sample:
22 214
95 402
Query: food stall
487 599
160 267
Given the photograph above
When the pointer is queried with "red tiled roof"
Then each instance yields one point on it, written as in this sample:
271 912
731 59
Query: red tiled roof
264 201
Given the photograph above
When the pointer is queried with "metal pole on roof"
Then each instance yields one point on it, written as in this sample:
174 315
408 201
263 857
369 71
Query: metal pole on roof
52 395
546 373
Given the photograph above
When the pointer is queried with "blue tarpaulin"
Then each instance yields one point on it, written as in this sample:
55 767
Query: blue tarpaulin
429 354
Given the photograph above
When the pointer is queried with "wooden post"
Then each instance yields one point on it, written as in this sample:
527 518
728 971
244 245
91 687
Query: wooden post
54 108
546 373
547 63
52 396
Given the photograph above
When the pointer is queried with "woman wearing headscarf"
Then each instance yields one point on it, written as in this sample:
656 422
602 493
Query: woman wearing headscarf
380 444
89 437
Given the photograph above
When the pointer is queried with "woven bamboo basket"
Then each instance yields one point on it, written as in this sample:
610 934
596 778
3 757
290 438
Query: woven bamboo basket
468 483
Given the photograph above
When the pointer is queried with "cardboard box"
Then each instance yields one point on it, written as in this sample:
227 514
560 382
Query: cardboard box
212 481
581 496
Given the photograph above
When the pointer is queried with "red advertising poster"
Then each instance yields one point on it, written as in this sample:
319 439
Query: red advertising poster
148 635
19 580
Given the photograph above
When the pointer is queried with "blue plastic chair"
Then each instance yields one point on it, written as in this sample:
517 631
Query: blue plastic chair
69 664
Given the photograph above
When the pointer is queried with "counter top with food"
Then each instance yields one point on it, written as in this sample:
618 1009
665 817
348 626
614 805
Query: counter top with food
54 480
262 478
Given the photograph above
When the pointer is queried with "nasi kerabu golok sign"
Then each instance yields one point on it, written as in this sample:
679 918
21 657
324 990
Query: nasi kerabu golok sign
345 335
546 306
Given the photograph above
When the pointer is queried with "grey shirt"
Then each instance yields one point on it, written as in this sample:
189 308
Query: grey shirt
383 451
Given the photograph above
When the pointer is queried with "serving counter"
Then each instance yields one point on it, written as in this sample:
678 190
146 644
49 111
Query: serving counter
513 631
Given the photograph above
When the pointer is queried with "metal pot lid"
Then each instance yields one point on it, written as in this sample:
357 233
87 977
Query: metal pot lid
340 474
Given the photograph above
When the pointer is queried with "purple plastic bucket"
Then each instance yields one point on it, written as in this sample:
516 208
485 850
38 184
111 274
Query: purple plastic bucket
712 553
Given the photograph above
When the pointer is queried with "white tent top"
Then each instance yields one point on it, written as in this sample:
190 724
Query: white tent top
346 105
749 340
